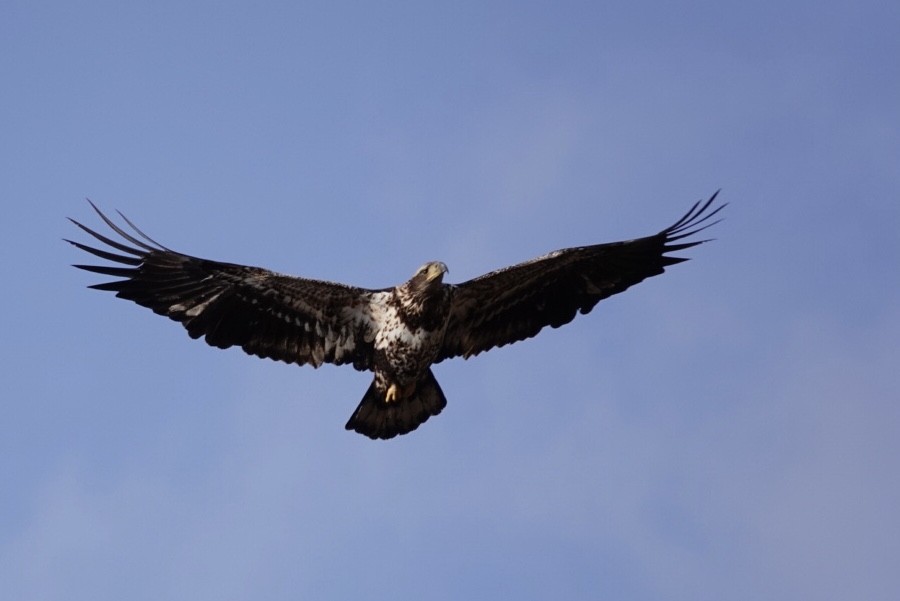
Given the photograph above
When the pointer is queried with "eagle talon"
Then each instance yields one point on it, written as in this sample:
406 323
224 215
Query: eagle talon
396 393
391 394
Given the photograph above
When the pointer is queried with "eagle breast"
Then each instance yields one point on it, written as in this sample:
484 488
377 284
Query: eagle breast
413 319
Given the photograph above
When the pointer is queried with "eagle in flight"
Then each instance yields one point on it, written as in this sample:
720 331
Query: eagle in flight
397 333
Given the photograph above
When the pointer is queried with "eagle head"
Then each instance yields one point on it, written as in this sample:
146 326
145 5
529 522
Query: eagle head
424 301
429 274
425 282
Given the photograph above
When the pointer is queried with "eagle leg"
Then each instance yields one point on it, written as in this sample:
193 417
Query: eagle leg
395 393
392 393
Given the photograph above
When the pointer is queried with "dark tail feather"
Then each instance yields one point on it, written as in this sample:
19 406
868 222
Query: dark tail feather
376 418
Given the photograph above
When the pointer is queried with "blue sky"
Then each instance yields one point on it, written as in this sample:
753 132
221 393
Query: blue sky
730 430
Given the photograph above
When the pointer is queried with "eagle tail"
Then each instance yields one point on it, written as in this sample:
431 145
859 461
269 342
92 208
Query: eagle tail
377 418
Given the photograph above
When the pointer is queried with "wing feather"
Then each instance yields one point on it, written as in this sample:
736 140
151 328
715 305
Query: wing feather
270 315
516 302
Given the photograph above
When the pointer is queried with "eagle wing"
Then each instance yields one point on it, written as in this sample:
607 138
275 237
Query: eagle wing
516 302
270 315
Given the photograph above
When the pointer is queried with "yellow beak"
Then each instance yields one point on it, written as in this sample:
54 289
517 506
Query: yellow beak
436 270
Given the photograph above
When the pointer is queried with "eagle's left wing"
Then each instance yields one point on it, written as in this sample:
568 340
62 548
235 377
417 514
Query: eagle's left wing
288 319
515 303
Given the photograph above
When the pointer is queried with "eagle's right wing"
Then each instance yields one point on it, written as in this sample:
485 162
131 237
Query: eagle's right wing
285 318
516 302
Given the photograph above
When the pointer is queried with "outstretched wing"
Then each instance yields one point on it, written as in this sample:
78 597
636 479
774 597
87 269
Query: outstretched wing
267 314
516 302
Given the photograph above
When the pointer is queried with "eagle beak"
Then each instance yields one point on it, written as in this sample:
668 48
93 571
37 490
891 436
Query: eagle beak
436 270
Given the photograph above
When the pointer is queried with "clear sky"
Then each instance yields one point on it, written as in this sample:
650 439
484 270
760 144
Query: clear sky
729 430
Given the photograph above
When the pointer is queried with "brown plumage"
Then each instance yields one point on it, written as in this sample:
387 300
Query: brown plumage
397 333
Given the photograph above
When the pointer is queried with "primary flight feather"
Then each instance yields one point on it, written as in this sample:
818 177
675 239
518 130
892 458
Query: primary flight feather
397 333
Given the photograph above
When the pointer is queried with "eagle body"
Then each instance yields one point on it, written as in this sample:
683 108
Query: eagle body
396 333
410 323
407 344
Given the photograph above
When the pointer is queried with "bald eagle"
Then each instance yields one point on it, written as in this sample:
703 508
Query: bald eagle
397 333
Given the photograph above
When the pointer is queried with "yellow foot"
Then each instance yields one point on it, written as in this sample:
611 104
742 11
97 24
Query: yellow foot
396 393
392 393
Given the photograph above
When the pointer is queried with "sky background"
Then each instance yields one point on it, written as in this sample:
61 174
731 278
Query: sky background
729 430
